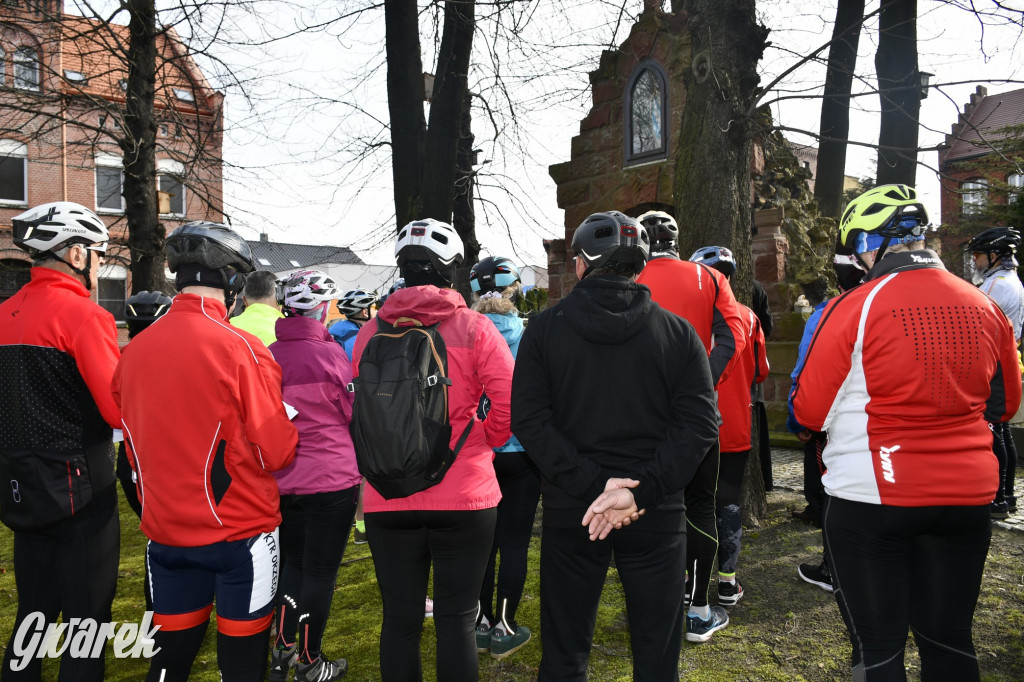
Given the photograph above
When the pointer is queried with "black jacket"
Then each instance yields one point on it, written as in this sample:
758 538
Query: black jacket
609 384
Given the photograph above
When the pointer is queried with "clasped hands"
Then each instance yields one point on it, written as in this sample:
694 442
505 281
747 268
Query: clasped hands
613 509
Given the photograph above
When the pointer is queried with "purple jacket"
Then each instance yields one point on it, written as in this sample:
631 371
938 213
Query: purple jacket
314 373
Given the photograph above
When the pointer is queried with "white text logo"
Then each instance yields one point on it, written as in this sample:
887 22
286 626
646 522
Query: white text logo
83 638
885 454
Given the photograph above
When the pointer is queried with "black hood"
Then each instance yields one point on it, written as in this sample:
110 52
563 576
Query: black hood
607 309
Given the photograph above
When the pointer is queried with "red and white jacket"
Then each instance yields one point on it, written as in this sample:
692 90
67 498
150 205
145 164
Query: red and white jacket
701 296
734 391
904 372
204 426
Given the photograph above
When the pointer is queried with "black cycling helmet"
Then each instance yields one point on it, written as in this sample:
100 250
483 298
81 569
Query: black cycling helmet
849 273
143 308
999 240
198 247
611 238
663 230
493 273
211 245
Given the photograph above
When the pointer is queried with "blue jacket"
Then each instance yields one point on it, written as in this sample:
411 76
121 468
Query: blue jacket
511 327
344 332
792 425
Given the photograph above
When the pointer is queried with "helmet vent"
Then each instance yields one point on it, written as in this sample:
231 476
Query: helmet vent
603 232
438 237
874 208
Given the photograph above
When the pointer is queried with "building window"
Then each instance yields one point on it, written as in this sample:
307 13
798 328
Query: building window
13 173
111 294
646 104
183 95
14 274
109 183
172 185
974 195
26 69
165 130
3 66
1016 184
75 77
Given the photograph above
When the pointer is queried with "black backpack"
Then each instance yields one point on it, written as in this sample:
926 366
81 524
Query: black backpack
400 414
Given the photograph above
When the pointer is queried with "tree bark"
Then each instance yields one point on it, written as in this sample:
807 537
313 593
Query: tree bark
835 107
463 214
405 106
712 187
138 146
899 85
446 110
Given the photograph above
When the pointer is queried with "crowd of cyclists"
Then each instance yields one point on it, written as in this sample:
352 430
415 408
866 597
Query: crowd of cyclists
624 412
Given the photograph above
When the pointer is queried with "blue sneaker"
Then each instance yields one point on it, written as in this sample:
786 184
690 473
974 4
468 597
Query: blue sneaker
700 630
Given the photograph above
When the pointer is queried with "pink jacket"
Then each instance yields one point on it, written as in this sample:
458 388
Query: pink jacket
478 360
314 373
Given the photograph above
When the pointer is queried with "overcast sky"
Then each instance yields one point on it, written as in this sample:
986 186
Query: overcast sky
313 102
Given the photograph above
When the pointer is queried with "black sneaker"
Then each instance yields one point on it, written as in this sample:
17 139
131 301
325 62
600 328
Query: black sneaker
816 574
281 662
321 670
729 593
809 515
1011 504
358 536
1000 510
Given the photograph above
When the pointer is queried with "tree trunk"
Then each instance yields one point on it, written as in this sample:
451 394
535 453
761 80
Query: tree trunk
446 110
405 107
899 85
463 215
835 107
145 233
712 186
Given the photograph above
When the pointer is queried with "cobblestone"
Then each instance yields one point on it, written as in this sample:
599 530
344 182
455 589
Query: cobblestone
788 473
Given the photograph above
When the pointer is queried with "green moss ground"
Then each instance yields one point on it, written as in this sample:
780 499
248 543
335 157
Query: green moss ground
783 629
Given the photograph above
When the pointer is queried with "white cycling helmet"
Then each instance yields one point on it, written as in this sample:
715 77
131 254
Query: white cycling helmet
308 290
429 240
50 227
353 301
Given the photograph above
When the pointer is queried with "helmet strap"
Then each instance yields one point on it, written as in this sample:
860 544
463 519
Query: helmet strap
84 272
232 283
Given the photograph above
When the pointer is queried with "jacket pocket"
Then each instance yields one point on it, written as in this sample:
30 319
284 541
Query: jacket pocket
41 488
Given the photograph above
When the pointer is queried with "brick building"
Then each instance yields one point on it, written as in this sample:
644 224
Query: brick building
972 172
62 92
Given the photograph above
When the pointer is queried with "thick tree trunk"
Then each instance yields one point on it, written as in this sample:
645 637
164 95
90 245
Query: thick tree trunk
899 84
712 189
446 110
835 107
405 106
145 233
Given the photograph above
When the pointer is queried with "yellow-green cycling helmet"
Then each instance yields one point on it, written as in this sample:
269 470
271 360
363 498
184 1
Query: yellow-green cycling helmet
884 213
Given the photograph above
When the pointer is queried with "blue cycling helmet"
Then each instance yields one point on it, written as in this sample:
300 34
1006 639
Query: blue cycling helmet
493 273
717 257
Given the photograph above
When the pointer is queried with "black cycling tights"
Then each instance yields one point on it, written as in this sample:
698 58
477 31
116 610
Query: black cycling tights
895 568
731 469
404 544
520 491
701 526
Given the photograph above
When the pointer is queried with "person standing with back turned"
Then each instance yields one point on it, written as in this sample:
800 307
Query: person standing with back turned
204 425
904 373
612 399
450 524
58 350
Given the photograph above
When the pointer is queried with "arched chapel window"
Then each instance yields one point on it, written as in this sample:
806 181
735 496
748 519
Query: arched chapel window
646 114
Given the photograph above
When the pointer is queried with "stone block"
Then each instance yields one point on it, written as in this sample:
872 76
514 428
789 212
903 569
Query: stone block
789 326
560 173
607 92
599 116
573 192
770 268
782 356
768 216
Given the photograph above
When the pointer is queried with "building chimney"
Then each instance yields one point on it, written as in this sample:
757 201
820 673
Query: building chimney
264 237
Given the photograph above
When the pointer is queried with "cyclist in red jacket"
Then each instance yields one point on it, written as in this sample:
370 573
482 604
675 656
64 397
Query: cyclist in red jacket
205 426
904 373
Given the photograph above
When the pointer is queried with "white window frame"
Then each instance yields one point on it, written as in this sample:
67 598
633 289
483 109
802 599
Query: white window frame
13 149
973 196
116 273
108 161
176 170
21 61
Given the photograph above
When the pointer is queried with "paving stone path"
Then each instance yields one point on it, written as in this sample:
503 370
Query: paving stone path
788 472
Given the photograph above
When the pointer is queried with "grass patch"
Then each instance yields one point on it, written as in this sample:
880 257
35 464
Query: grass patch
783 629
